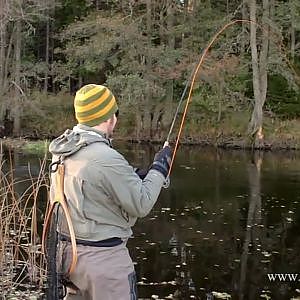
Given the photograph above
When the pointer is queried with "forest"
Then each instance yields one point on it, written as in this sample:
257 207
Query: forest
247 90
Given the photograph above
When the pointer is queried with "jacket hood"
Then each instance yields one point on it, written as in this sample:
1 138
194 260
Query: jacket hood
72 141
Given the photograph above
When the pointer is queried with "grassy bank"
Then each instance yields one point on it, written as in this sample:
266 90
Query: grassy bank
56 115
231 132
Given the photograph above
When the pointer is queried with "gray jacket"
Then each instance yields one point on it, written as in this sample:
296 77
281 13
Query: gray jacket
104 194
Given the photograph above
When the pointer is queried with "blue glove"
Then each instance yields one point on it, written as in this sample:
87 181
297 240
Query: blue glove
162 160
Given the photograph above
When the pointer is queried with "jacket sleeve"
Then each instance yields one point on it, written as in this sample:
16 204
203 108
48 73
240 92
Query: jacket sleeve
135 196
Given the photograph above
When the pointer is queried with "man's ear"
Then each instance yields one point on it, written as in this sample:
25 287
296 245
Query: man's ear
111 119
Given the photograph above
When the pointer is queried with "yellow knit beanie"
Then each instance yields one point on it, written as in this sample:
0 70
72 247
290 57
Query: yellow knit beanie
94 104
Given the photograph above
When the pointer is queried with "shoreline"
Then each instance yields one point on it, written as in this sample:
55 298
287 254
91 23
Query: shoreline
227 143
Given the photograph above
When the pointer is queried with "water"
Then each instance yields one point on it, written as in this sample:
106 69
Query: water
228 219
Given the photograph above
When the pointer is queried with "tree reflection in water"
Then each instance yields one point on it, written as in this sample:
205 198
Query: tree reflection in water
254 219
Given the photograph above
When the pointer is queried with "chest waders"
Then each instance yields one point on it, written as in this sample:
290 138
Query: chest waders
57 213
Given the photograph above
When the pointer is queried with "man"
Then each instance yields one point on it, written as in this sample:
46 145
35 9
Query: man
105 197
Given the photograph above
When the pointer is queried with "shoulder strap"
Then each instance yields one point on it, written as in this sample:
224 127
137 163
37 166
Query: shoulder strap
59 199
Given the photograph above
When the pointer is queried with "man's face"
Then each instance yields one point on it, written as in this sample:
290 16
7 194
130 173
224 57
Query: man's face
111 125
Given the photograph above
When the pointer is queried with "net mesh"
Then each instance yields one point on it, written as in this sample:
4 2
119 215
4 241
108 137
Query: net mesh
55 278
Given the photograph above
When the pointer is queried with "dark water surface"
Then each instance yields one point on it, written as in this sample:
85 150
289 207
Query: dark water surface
228 219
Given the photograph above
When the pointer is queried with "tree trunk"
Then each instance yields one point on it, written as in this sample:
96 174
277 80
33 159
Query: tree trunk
259 71
148 111
293 33
2 44
191 5
138 126
47 53
220 96
97 5
17 108
80 80
8 58
171 45
244 31
264 52
256 119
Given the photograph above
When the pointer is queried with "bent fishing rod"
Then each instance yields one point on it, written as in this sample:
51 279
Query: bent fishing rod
192 79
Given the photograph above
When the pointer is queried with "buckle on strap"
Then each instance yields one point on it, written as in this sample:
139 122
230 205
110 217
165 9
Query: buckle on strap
54 166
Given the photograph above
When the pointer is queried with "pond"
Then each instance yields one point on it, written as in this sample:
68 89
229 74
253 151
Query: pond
227 226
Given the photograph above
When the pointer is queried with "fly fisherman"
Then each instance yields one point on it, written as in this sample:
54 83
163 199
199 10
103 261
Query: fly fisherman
105 196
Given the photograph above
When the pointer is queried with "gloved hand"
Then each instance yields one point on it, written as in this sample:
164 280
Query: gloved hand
142 173
162 160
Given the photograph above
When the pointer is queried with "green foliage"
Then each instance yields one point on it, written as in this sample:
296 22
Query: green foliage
49 116
282 100
36 147
69 11
129 88
145 54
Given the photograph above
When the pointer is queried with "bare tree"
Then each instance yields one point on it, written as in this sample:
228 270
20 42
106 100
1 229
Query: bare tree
259 69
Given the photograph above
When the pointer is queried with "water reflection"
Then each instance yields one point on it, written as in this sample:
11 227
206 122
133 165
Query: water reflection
228 219
254 218
221 228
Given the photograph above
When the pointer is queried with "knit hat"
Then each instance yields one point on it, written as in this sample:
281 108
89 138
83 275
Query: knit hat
94 104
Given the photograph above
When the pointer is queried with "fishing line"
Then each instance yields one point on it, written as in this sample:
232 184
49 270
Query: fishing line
195 73
179 104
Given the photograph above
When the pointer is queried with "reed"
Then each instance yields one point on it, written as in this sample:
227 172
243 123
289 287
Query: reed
22 265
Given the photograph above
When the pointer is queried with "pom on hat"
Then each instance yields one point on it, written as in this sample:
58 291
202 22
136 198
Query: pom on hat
94 104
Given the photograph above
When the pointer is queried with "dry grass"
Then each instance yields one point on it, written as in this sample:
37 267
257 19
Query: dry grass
22 264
